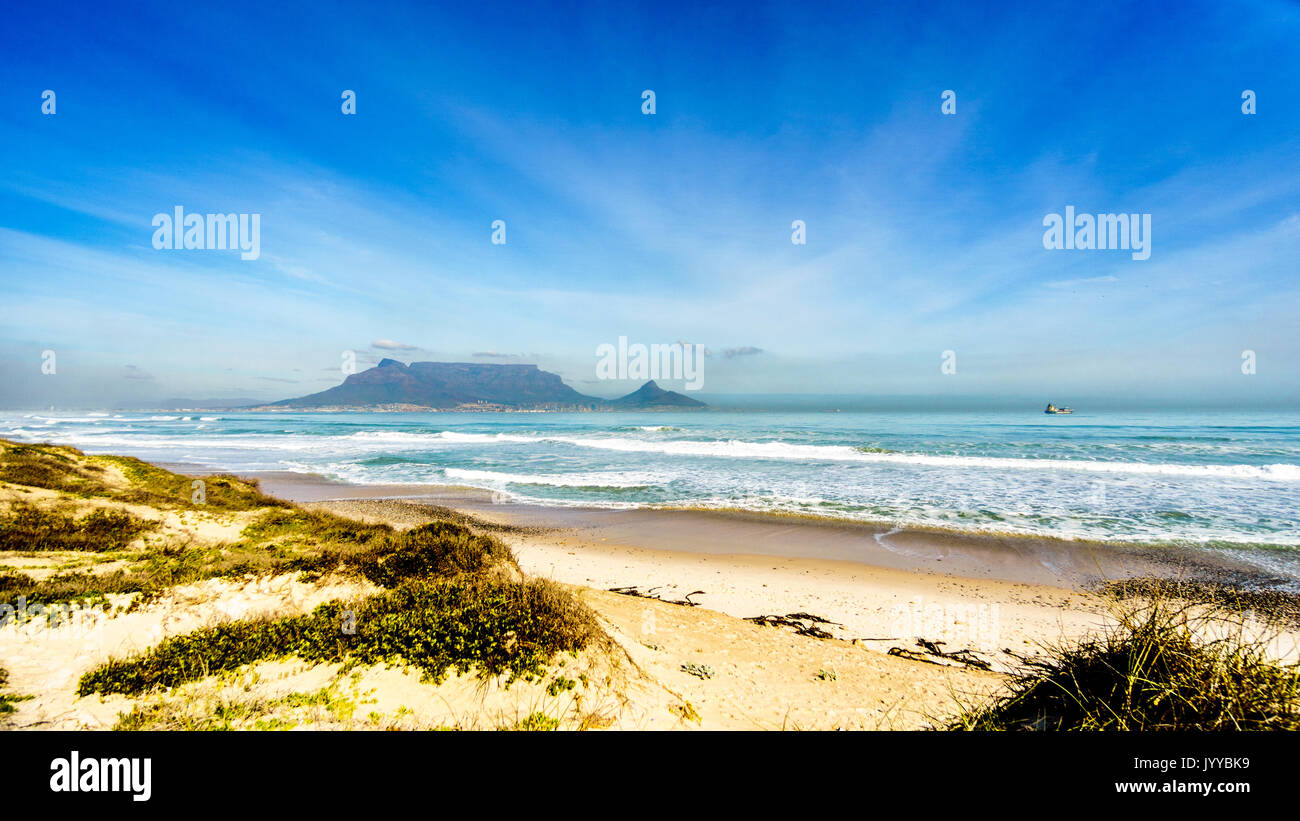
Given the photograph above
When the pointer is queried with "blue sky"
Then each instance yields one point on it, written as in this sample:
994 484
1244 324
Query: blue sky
924 231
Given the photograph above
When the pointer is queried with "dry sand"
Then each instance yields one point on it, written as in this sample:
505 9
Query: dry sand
876 607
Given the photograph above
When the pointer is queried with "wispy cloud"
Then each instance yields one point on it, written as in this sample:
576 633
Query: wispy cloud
390 345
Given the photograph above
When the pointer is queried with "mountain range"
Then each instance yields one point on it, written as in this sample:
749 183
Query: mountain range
392 385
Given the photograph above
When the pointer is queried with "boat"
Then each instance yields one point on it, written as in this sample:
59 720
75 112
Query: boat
1052 409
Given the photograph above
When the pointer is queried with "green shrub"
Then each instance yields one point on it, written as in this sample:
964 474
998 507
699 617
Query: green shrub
65 587
560 685
30 528
50 467
69 470
8 700
152 485
313 527
384 557
461 624
537 722
437 549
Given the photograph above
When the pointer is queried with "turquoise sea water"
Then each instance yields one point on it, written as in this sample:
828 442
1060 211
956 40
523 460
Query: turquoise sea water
1211 478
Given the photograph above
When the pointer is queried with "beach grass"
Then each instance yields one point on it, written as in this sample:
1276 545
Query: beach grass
27 527
124 479
152 485
1164 665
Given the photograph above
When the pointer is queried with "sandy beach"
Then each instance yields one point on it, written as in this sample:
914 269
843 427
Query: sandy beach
879 585
878 589
718 620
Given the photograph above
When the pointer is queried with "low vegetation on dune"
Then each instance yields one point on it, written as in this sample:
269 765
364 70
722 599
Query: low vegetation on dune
80 515
452 601
1165 665
7 700
463 624
324 543
95 554
28 527
212 707
53 468
68 470
450 598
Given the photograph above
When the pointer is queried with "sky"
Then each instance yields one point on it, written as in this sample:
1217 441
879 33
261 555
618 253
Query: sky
924 230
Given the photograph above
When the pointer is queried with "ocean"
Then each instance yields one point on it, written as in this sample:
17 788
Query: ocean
1214 478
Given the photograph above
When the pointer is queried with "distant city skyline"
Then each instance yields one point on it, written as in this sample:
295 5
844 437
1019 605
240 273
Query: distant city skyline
925 271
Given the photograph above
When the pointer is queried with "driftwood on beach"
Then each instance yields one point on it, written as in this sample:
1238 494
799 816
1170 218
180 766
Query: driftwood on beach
649 593
805 624
932 650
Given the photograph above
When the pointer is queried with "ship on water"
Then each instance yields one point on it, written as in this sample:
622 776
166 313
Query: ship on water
1055 410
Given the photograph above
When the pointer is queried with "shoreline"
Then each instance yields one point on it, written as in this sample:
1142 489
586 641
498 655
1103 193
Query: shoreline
880 588
1068 564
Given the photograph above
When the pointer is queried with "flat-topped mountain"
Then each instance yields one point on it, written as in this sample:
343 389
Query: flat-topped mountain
473 386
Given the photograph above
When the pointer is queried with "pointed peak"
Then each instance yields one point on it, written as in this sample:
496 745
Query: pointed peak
650 395
390 363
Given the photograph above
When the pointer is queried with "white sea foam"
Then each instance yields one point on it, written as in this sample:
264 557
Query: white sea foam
1115 483
362 442
739 449
602 479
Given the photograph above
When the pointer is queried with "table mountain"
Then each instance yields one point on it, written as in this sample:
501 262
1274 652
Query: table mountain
473 386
